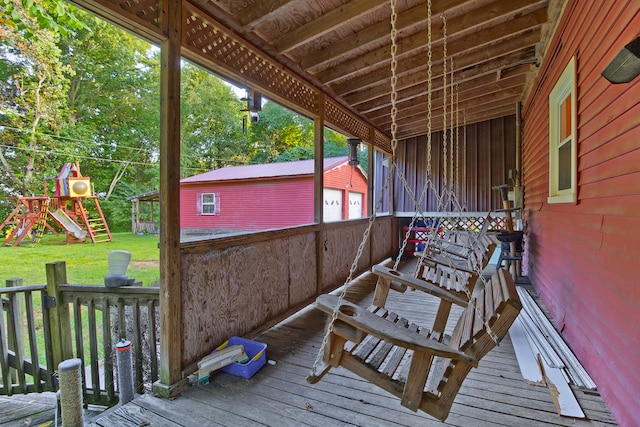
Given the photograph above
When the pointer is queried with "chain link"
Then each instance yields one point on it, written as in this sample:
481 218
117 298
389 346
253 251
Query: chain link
444 103
451 138
429 88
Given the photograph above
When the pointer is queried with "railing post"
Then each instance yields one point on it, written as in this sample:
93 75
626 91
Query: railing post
15 326
58 314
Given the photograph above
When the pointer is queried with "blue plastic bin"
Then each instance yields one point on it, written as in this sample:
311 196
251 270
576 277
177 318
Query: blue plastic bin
256 352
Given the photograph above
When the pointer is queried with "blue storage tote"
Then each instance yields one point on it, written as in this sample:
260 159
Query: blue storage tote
256 352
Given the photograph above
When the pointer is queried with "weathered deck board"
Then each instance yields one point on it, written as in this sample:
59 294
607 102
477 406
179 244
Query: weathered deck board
492 395
26 409
278 395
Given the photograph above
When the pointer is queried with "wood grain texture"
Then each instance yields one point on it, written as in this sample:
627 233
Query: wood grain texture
493 394
581 256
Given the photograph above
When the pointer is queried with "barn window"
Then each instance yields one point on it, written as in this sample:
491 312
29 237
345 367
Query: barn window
209 203
562 138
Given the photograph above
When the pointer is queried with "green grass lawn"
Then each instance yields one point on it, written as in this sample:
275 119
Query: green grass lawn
87 263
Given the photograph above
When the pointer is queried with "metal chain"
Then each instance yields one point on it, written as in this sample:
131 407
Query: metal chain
451 139
365 236
464 158
429 88
444 103
349 281
394 77
458 184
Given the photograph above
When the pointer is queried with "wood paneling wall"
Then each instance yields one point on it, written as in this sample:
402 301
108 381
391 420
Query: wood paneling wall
583 257
490 153
234 285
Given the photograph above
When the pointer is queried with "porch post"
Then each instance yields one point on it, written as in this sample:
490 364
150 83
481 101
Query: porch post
318 190
171 383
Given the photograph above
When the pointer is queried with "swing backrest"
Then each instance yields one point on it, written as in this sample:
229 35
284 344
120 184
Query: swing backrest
499 304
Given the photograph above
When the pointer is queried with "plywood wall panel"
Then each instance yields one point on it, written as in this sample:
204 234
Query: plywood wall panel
382 239
302 268
343 240
233 290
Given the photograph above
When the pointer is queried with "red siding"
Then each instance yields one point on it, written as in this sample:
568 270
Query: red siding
259 204
347 178
250 205
583 257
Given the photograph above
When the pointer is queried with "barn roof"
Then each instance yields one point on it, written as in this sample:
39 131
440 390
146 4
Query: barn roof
269 170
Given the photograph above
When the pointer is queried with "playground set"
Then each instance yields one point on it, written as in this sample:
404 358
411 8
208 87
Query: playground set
33 215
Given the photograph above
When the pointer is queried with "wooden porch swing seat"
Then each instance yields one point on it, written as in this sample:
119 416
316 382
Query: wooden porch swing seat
451 278
424 368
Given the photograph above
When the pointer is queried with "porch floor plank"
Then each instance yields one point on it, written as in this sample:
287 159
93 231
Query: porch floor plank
278 395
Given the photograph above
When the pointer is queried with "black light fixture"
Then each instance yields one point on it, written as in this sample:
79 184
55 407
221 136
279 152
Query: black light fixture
352 144
626 65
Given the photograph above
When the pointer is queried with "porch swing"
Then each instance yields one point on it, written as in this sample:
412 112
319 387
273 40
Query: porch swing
423 367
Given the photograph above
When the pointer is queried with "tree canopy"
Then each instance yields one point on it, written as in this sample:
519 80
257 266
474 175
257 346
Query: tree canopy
76 88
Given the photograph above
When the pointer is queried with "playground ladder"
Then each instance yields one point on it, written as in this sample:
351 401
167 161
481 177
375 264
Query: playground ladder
41 225
97 227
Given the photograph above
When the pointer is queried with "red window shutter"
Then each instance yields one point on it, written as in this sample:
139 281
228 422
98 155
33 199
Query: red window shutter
199 204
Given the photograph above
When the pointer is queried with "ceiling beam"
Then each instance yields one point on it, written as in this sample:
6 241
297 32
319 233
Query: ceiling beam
374 33
486 99
473 90
325 23
259 12
464 82
415 84
481 58
418 43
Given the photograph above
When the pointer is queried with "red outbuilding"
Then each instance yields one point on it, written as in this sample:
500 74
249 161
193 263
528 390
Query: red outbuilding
265 196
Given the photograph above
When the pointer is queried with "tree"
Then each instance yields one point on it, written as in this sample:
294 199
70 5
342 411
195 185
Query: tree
32 104
114 102
277 131
212 134
28 17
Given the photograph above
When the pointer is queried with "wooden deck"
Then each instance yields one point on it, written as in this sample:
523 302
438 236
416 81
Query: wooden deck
278 395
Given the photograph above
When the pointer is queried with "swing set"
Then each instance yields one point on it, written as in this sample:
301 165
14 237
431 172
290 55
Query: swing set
423 366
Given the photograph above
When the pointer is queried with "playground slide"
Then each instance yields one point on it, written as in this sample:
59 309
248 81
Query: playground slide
68 224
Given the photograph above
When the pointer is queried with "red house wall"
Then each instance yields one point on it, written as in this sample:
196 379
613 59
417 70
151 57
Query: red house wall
356 182
583 258
250 205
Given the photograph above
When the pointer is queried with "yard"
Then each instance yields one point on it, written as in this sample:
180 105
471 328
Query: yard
86 263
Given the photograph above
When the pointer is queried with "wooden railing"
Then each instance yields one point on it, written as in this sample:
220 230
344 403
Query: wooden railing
20 368
77 321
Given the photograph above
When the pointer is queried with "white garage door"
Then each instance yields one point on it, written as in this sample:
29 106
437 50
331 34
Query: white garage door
332 205
355 205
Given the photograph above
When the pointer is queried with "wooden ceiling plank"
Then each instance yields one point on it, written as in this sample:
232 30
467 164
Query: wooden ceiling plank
326 23
380 57
419 112
374 33
474 58
437 126
465 93
489 101
259 12
409 97
415 83
490 49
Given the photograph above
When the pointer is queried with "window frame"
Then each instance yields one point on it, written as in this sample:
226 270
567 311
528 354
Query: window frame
215 203
564 88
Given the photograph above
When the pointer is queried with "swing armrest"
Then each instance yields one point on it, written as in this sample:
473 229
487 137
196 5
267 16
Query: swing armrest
418 284
371 324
